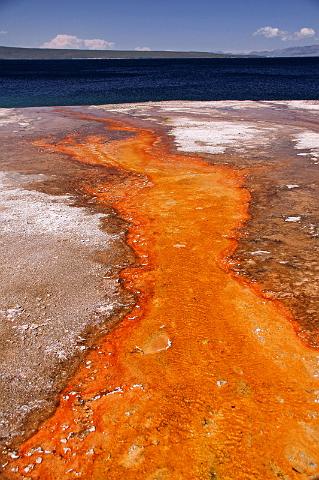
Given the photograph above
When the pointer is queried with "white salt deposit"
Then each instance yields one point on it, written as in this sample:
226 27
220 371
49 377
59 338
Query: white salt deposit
28 213
293 219
260 252
308 141
215 136
9 115
193 133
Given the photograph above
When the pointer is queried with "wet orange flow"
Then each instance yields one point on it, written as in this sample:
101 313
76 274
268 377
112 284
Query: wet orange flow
204 379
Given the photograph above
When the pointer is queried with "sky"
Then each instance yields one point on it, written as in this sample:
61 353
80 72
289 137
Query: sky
202 25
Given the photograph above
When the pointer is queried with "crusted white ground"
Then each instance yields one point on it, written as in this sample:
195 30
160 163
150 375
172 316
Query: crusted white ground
216 136
52 290
205 127
11 116
29 213
308 142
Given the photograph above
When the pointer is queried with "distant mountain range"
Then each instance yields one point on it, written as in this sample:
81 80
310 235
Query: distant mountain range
18 53
308 51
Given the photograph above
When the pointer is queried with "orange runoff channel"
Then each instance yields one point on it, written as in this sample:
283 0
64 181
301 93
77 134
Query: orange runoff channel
205 378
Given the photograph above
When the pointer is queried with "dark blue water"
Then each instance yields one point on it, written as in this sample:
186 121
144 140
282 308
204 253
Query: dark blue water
82 82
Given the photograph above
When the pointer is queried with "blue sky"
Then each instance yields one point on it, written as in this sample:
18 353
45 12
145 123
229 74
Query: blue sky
208 25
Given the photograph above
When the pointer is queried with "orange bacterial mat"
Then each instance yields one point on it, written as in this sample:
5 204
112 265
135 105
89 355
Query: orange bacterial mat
205 378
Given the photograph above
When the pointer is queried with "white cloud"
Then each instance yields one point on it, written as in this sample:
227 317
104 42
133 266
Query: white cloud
305 32
275 32
97 44
142 49
71 41
3 32
271 32
63 41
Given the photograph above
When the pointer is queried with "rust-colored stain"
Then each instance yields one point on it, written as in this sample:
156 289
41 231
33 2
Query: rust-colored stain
205 378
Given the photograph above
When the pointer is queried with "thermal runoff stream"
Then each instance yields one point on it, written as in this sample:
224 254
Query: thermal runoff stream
205 378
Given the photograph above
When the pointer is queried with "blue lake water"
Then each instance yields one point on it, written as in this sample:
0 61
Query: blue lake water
83 82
